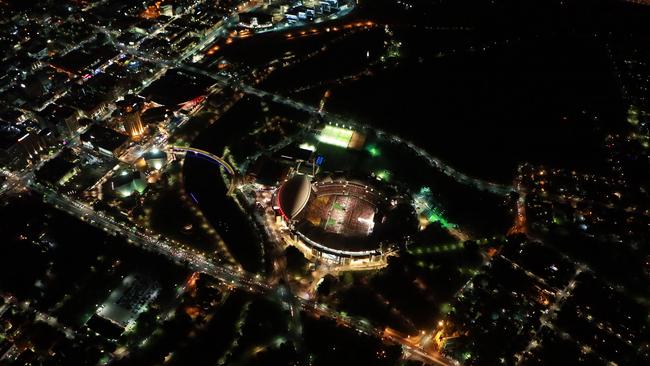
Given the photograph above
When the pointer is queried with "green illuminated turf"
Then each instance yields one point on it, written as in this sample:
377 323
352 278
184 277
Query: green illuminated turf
330 222
336 136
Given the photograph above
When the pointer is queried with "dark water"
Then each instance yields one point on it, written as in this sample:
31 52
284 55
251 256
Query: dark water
203 180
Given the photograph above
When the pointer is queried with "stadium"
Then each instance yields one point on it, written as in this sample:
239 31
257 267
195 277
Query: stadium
334 220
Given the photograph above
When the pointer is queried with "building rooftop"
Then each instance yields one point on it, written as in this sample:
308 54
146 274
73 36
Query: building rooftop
55 169
293 195
104 138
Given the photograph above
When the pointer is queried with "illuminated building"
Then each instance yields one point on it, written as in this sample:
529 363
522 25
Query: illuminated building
32 143
126 182
133 124
299 13
104 140
58 171
63 120
155 159
128 301
167 10
334 220
131 107
255 19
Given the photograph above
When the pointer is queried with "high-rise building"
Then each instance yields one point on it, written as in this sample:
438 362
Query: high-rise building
133 124
63 120
130 108
32 143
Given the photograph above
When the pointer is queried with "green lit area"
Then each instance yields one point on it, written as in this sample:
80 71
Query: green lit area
373 150
437 249
307 146
433 267
441 248
423 202
446 308
434 215
336 136
383 175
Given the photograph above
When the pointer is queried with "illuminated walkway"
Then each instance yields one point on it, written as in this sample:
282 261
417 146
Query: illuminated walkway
211 156
181 149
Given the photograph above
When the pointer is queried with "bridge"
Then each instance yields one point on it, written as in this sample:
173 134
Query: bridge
206 154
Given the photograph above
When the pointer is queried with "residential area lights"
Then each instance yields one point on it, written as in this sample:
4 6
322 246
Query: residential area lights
167 174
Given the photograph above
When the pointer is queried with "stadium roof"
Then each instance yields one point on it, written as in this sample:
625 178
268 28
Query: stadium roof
294 195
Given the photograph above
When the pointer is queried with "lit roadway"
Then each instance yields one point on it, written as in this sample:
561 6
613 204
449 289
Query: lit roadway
434 162
235 277
232 276
157 244
221 29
